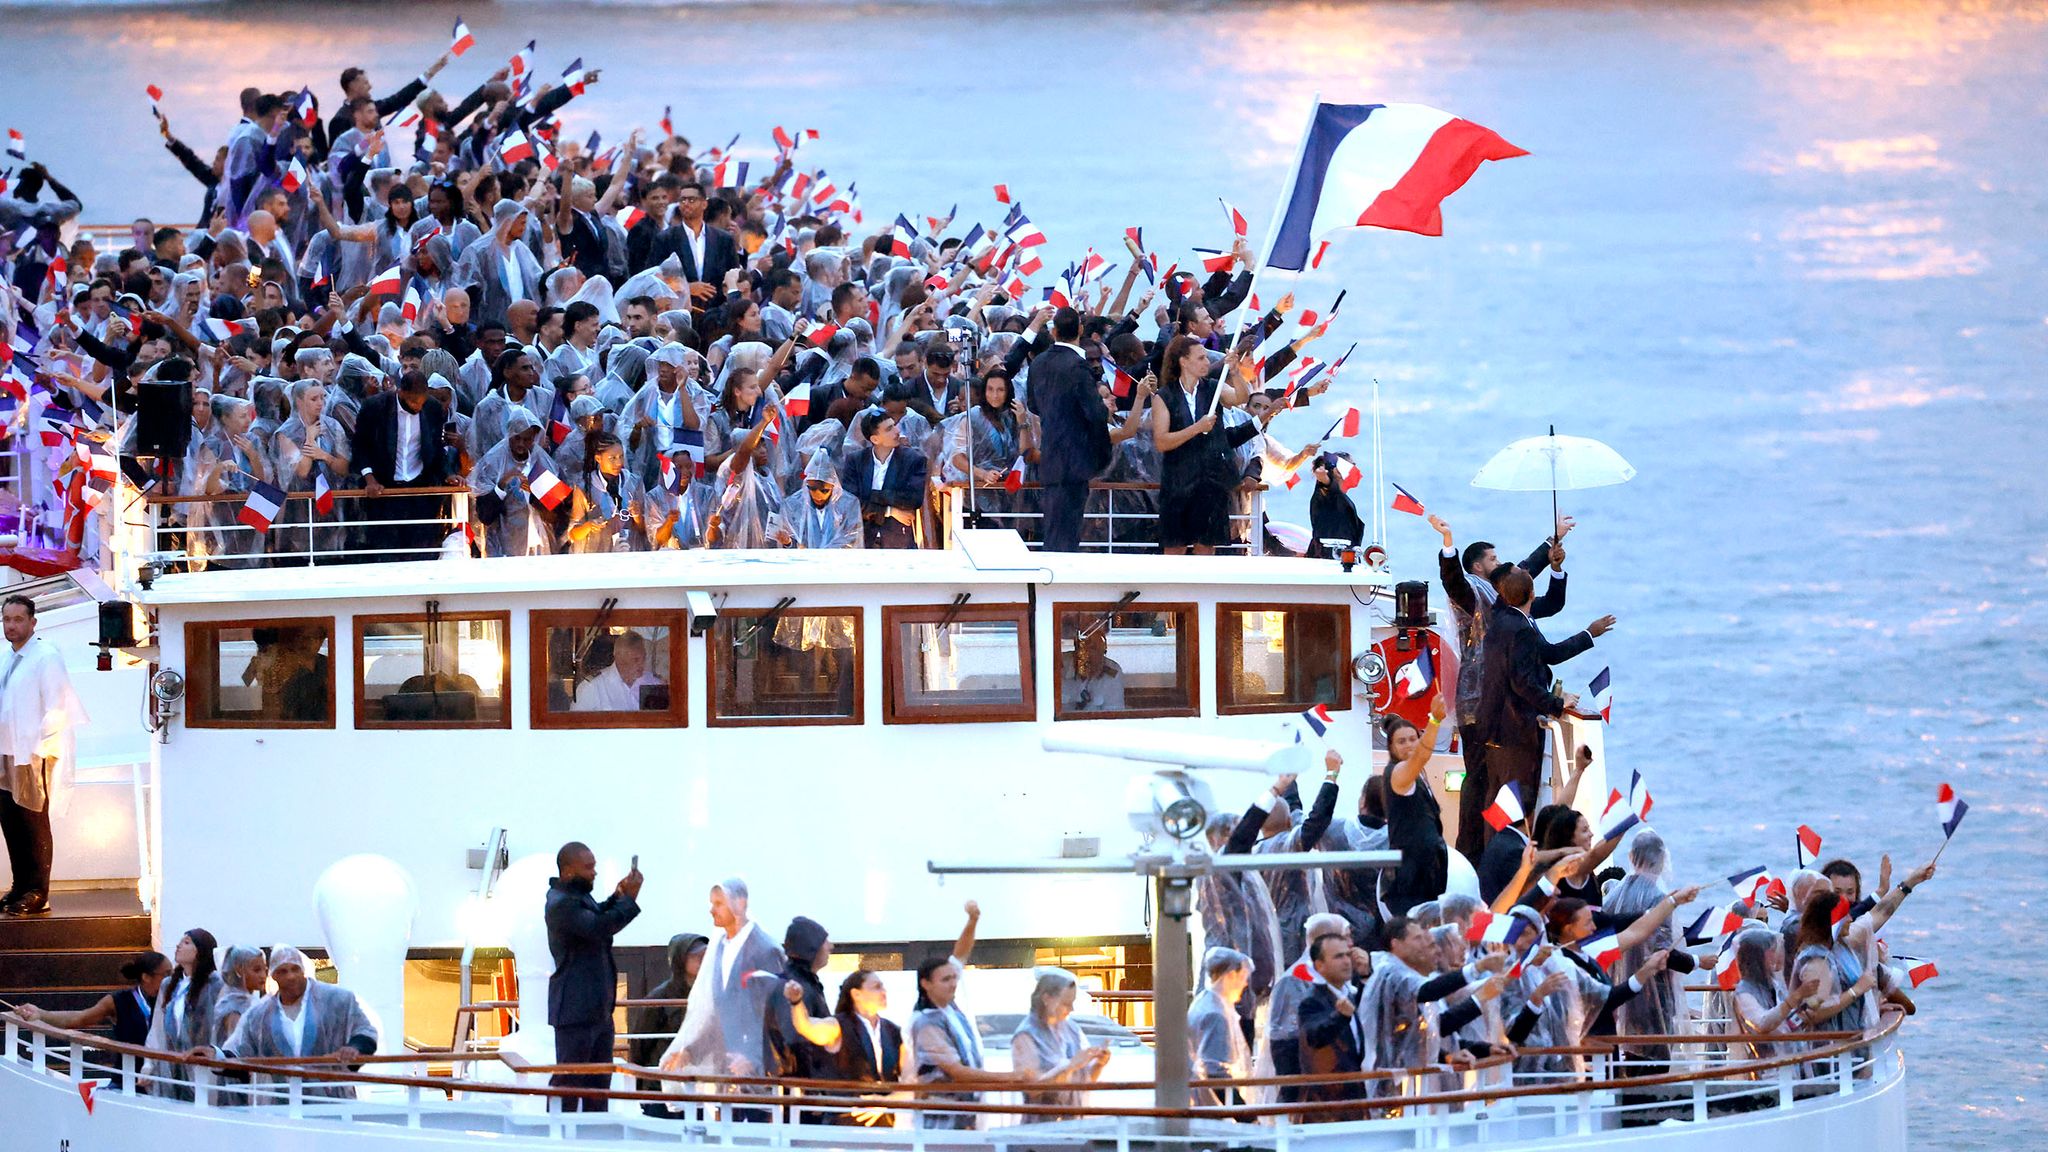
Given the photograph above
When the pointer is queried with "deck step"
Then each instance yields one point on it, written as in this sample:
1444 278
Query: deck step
67 968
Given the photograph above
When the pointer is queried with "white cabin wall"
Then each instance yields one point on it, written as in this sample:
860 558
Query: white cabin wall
834 822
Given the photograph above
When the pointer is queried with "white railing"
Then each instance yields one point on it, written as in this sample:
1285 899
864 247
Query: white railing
1434 1107
1127 519
298 535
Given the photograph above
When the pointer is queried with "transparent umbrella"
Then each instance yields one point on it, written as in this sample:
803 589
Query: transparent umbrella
1554 463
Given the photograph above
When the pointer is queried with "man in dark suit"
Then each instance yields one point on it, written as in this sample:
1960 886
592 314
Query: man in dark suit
1515 684
707 253
1331 1040
887 478
1073 431
403 441
584 988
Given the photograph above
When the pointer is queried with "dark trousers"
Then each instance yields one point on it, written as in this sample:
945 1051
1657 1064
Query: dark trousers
1287 1062
1517 764
29 846
1062 506
426 536
886 532
1476 794
583 1044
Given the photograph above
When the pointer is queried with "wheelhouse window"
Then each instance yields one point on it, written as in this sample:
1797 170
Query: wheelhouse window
788 667
612 670
1134 661
964 665
1281 657
260 673
447 671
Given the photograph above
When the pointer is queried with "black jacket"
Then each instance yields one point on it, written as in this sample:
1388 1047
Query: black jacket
375 449
721 254
584 988
1515 685
1328 1045
1073 436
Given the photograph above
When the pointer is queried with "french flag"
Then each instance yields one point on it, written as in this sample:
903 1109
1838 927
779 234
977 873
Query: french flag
1809 846
1348 474
558 420
389 283
1002 193
545 486
1238 224
1920 971
1603 949
1417 675
462 40
323 494
1625 812
515 148
1318 719
1726 975
1378 166
1599 687
223 329
630 217
691 442
294 176
1404 502
1713 924
1214 261
798 403
1506 808
262 506
1013 480
1952 808
16 146
1349 423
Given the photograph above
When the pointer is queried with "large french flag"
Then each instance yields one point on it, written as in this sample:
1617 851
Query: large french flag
1378 166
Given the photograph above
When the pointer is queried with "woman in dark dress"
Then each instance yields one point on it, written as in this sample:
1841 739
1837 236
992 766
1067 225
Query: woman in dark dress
1415 825
1199 463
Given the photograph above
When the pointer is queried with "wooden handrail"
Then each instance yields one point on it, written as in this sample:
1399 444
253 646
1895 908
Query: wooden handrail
853 1091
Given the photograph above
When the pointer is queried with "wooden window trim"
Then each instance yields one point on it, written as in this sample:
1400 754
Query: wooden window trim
895 712
1228 634
362 625
715 673
202 672
541 620
1187 649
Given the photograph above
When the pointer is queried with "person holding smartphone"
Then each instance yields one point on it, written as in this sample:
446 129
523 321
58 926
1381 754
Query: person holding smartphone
583 991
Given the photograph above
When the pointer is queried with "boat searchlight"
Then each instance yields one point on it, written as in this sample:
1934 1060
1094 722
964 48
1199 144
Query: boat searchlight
1169 800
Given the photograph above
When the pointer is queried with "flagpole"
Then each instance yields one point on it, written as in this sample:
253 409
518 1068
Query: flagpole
1553 486
1315 105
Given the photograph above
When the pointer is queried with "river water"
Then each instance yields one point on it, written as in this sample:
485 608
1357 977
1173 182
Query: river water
1787 258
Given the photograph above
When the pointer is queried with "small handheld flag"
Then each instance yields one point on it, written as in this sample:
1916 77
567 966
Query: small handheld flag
1350 423
1239 226
87 1088
1920 971
462 41
1013 480
1404 502
1417 675
1713 924
1348 474
16 146
1597 688
1318 719
798 402
545 486
262 506
223 329
1002 193
323 495
630 218
1809 846
515 147
1951 808
1726 974
1603 949
1506 808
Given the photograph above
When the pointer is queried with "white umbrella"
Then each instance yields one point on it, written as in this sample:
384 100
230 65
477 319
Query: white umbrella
1553 463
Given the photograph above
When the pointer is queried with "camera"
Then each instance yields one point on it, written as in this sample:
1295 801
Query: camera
703 613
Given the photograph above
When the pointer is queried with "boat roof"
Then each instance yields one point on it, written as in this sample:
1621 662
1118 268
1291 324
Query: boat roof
988 557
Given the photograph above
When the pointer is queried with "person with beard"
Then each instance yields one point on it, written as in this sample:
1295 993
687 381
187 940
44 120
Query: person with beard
653 1026
583 991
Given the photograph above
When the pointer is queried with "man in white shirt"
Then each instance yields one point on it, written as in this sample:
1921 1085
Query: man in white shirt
400 443
738 951
38 711
617 688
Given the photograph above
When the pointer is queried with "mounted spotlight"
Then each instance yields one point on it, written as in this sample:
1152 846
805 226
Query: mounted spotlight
1169 803
166 688
1369 666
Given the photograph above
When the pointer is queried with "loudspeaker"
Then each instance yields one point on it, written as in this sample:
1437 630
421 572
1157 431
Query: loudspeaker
1411 604
163 418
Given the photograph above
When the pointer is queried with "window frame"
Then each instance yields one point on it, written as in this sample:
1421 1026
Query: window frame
1187 646
202 669
538 623
896 712
714 670
364 723
1228 633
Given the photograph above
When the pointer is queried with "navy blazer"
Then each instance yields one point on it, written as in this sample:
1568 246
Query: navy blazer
375 449
1515 685
903 479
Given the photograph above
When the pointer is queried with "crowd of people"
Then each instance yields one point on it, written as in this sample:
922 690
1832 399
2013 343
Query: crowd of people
641 346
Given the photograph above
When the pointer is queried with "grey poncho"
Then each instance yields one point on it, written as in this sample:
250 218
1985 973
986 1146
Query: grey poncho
330 1018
